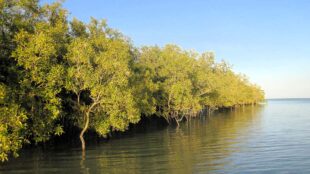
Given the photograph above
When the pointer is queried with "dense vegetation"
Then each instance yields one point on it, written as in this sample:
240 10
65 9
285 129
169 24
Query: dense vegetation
55 72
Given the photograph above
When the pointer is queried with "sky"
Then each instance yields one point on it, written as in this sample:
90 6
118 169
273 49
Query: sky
268 40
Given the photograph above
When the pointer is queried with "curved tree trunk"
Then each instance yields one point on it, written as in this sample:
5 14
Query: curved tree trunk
86 120
84 130
177 121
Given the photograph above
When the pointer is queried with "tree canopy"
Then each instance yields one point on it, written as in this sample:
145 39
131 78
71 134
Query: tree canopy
56 72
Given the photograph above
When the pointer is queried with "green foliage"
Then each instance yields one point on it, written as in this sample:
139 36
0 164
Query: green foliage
169 72
14 16
39 53
183 83
55 72
12 124
99 64
32 43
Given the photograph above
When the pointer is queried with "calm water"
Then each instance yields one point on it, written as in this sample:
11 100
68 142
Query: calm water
274 138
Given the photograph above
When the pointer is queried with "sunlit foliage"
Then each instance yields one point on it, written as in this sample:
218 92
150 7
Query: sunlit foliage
55 72
99 66
183 83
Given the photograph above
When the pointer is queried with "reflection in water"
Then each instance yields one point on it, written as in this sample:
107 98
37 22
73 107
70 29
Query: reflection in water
229 142
200 145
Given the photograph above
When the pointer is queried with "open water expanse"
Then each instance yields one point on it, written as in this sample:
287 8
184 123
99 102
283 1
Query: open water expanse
271 138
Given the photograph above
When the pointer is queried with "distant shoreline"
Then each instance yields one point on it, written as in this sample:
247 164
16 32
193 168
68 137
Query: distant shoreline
288 99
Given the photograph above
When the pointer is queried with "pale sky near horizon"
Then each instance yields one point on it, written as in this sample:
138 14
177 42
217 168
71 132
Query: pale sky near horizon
268 40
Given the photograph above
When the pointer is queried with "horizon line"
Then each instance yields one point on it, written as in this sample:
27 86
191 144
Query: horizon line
279 98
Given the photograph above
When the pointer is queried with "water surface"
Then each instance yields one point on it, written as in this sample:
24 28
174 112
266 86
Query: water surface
274 138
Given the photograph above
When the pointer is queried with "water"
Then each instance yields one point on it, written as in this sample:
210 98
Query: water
274 138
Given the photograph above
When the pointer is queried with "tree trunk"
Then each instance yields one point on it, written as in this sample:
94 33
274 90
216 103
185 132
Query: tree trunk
86 120
84 130
209 111
177 121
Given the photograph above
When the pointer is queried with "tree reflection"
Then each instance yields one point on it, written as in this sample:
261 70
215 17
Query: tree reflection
204 144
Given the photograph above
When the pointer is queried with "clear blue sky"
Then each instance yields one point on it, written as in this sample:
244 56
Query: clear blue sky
268 40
